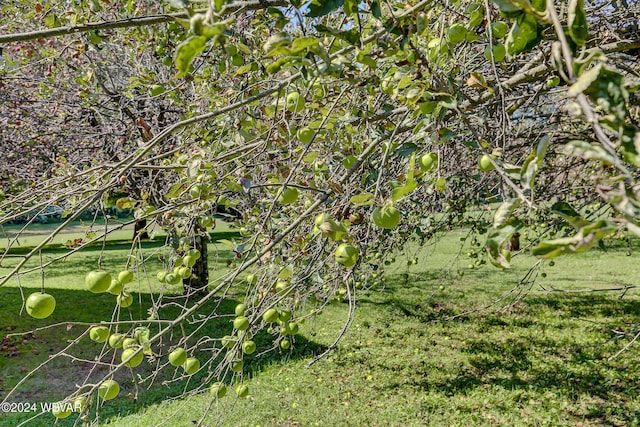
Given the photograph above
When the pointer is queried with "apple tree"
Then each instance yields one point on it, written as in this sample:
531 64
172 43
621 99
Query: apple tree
338 131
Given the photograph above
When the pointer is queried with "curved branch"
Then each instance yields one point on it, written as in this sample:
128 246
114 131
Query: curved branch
133 22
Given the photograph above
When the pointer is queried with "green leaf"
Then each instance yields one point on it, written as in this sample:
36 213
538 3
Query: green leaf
585 80
523 35
508 8
52 21
304 43
566 211
217 5
400 192
126 203
577 21
227 243
187 51
376 11
175 191
361 199
588 151
350 36
319 8
503 213
351 7
586 239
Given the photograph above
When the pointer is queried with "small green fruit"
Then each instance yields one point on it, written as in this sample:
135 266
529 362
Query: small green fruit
129 343
386 217
178 357
242 390
108 390
289 195
428 161
125 277
81 403
347 255
237 365
270 315
241 323
191 365
116 287
295 103
240 309
97 281
135 354
125 300
248 347
99 333
485 163
305 134
116 340
61 409
40 305
219 390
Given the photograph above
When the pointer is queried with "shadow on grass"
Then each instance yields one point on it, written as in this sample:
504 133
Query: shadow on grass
61 375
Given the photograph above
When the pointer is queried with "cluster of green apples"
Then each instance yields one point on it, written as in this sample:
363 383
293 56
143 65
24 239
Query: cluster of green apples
345 254
107 390
179 357
98 281
181 269
133 347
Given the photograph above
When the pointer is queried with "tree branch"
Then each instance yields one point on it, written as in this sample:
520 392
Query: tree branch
133 22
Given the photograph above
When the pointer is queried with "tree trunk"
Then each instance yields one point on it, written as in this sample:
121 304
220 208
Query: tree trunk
199 280
139 229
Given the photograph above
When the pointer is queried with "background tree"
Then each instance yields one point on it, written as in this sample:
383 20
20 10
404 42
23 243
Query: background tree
338 130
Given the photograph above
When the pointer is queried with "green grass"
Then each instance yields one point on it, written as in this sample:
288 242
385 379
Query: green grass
417 353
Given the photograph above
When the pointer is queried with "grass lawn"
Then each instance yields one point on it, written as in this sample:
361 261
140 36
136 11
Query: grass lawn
414 355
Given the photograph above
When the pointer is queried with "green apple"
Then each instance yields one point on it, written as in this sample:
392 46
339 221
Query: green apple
135 354
116 340
99 333
428 161
305 135
270 315
241 323
285 315
125 276
347 255
178 356
285 344
248 347
40 305
125 300
173 279
191 365
228 341
97 281
242 390
386 217
81 403
219 390
289 195
129 343
162 276
61 409
116 287
295 103
240 309
282 287
485 163
237 365
108 390
189 260
182 272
